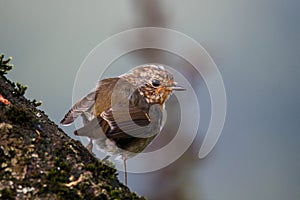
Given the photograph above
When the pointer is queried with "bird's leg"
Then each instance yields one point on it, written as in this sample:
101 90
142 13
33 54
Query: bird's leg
105 158
86 120
125 169
90 146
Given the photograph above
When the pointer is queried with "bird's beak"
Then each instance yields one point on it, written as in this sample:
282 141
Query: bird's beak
176 87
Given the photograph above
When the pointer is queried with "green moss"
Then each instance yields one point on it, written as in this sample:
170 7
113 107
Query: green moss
7 193
57 177
36 103
19 115
59 173
4 65
115 194
64 192
20 89
62 164
61 191
91 167
99 169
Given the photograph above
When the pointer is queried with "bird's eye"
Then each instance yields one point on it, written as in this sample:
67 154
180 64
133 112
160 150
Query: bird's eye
155 82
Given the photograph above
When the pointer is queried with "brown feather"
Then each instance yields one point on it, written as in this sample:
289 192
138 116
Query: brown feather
81 106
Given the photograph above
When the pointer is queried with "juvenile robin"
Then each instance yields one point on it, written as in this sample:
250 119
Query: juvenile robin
124 114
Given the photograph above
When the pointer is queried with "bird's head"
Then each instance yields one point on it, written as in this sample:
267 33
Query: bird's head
153 82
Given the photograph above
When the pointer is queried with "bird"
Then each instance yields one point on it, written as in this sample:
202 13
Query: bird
123 114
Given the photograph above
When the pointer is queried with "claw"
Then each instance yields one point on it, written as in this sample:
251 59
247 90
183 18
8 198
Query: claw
90 146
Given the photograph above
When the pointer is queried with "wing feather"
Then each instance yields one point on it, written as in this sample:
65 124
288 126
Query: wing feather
78 108
85 105
140 123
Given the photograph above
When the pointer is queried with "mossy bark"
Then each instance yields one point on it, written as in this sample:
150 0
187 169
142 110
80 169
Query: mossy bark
39 161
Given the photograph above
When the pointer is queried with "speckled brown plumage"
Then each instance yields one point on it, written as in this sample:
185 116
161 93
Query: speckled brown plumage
124 114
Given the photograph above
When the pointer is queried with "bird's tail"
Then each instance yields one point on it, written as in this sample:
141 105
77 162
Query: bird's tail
92 129
78 108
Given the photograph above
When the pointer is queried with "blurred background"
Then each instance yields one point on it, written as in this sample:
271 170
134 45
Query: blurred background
255 44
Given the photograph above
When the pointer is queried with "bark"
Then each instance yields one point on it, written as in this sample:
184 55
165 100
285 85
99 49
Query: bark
39 161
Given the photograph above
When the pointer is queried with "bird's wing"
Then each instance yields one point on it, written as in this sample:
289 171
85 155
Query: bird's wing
104 91
132 122
86 104
78 108
117 123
